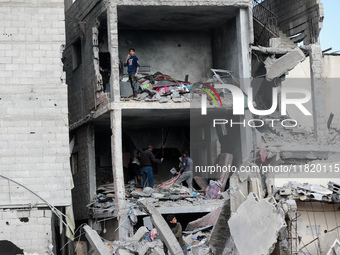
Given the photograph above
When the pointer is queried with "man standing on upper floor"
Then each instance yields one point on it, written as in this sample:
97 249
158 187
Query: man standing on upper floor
146 160
132 63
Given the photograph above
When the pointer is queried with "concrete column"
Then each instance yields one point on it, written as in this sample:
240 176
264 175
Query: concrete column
112 25
318 93
117 168
243 51
91 156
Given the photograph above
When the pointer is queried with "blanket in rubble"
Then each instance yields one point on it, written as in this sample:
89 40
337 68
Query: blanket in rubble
167 184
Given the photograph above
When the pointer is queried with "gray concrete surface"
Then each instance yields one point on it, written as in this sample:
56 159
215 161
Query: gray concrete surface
260 226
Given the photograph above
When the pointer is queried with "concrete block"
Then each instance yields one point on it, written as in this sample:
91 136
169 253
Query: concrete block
278 67
143 249
255 226
141 232
95 241
285 192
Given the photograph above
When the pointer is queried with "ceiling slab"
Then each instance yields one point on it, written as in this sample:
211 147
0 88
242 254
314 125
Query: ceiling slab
174 18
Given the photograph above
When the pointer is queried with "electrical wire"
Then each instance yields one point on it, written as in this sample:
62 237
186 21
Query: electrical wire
57 212
311 227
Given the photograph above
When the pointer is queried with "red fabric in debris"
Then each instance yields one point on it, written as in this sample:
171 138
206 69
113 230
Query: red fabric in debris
168 184
263 153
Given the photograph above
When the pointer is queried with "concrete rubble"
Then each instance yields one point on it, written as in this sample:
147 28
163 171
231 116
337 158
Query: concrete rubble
257 234
66 146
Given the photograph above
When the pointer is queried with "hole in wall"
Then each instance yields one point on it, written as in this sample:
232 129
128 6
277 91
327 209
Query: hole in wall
24 219
7 223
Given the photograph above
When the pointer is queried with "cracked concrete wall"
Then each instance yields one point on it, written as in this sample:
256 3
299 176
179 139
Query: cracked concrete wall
81 18
224 42
34 137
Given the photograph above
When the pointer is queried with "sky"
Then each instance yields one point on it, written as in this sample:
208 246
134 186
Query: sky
330 33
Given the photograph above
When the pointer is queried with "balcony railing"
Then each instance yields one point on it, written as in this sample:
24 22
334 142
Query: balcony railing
266 17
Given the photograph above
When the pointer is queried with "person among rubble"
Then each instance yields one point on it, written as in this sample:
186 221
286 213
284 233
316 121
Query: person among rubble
186 170
132 63
176 228
146 160
134 168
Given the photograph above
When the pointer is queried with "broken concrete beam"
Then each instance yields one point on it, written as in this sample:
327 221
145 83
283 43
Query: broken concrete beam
277 67
255 226
140 234
220 236
95 241
163 229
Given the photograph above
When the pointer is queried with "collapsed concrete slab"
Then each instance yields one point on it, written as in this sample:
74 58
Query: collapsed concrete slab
255 226
95 241
276 67
220 236
163 229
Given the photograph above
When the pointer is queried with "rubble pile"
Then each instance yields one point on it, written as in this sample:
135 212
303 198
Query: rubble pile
165 89
308 192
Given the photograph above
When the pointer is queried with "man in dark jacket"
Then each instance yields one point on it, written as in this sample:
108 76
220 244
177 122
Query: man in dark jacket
186 170
176 228
132 63
146 160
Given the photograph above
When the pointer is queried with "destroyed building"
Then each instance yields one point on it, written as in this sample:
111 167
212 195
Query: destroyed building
188 52
181 47
35 177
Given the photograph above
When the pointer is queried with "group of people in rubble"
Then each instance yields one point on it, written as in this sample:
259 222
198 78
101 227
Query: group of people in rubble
141 166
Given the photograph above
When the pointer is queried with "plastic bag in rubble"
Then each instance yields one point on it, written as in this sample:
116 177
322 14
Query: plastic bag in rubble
132 216
173 170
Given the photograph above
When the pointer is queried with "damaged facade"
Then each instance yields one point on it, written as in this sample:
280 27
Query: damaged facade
182 47
35 178
185 49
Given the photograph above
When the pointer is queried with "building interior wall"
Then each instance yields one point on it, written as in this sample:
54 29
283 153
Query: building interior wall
173 52
224 47
168 143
